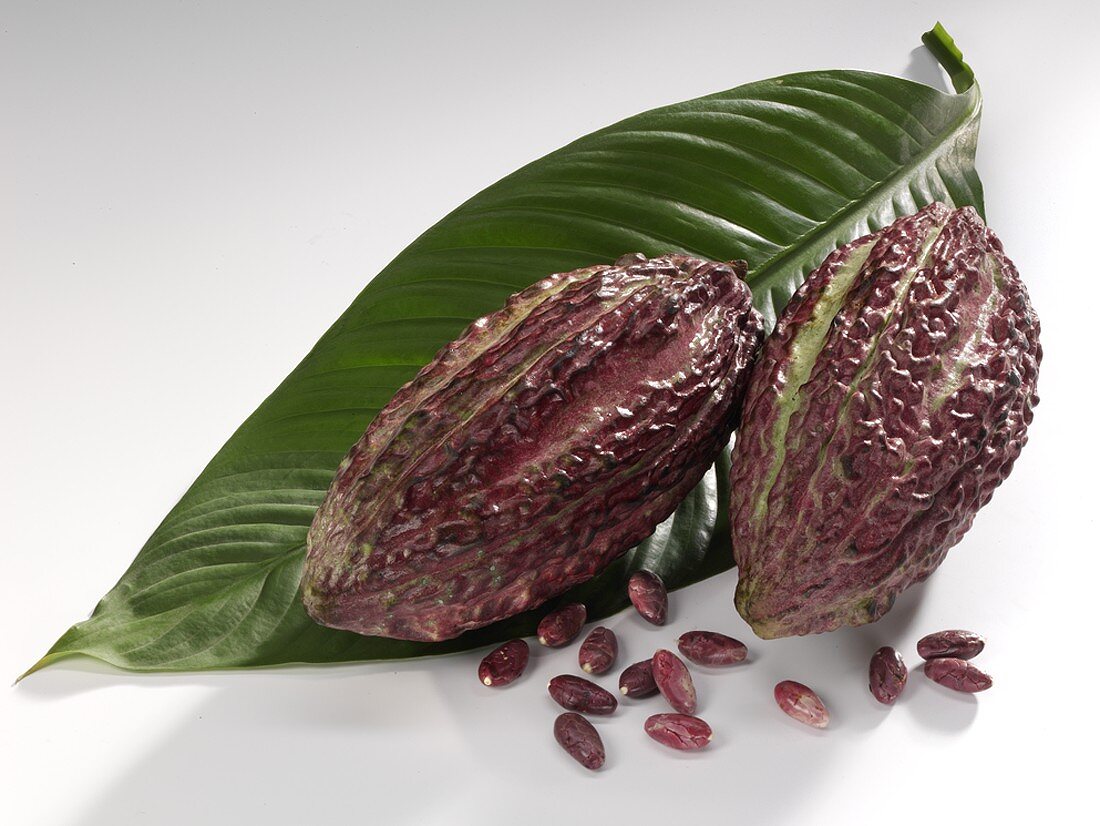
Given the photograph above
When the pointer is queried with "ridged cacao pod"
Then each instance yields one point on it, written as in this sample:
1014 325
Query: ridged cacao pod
892 398
546 441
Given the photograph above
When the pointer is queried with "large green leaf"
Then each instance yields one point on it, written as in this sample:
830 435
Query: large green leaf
777 172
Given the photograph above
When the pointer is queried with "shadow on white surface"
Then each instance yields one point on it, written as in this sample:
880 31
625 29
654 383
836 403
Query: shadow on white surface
937 708
293 746
923 68
423 742
146 186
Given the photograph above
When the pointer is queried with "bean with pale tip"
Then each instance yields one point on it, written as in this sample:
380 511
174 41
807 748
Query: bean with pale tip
561 627
598 651
637 682
505 664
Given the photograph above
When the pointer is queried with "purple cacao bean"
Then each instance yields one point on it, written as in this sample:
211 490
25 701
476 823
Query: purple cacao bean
580 740
679 731
888 675
711 648
674 681
957 674
578 694
801 703
962 645
505 664
647 593
598 651
637 680
561 627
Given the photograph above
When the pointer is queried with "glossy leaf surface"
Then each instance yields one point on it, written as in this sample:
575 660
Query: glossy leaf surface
777 172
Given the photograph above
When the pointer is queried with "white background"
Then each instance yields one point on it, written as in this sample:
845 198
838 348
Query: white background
190 195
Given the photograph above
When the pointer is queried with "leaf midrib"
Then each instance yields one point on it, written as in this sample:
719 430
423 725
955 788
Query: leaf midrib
761 276
956 117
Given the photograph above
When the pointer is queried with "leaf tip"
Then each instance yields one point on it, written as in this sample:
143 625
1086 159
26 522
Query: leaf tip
949 56
42 663
51 656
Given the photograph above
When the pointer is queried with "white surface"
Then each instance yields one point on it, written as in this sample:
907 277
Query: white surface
191 194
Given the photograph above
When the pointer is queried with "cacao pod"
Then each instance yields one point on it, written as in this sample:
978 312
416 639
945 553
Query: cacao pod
546 441
891 399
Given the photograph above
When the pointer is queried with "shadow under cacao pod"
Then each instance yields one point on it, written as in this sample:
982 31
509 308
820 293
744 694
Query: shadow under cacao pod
423 741
296 746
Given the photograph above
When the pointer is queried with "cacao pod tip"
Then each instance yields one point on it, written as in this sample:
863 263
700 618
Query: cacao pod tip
763 628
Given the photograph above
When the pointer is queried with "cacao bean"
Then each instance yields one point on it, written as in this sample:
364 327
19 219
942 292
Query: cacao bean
888 675
580 740
505 664
598 651
801 703
674 681
560 627
957 674
648 595
637 680
679 731
711 648
962 645
578 694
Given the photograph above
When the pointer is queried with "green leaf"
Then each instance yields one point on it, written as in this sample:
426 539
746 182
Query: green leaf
777 172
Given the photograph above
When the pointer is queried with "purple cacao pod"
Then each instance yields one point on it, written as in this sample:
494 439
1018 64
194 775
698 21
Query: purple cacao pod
892 398
542 444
